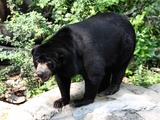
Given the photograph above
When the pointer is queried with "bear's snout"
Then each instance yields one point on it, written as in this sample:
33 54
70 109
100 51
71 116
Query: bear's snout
40 74
43 72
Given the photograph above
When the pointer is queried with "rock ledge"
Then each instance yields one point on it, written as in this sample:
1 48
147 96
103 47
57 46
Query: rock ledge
130 103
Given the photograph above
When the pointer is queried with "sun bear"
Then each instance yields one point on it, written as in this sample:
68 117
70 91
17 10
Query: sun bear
98 48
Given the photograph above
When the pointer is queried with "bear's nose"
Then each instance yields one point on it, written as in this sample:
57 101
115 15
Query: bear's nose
40 74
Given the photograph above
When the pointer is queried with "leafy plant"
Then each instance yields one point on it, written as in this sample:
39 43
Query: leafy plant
147 34
25 28
145 77
38 87
77 78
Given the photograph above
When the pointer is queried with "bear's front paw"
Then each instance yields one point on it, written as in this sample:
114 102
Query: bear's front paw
78 103
59 103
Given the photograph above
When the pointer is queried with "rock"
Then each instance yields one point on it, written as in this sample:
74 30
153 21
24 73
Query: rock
15 84
12 98
15 92
155 87
130 103
156 69
4 109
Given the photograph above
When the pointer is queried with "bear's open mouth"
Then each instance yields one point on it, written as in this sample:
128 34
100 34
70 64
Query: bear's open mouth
44 79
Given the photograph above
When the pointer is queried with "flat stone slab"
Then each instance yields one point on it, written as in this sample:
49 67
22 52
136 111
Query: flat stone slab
130 103
4 109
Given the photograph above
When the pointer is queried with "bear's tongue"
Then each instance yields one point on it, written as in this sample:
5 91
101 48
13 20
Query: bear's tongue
44 79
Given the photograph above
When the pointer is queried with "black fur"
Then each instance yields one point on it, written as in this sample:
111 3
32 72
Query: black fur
98 48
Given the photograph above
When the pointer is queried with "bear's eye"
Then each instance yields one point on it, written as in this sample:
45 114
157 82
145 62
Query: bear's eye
49 64
35 61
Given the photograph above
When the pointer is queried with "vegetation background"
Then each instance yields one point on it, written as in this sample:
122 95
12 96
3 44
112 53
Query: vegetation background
26 23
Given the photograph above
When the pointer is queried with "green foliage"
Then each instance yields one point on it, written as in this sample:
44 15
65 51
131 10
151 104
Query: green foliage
27 25
147 28
2 90
77 78
25 28
145 77
18 62
101 5
35 87
42 3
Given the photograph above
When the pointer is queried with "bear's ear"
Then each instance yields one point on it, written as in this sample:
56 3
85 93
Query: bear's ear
33 49
64 58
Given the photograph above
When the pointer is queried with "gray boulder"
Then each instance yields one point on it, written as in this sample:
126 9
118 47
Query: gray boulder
130 103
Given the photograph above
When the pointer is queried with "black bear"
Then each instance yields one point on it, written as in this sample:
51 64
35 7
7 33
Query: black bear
98 48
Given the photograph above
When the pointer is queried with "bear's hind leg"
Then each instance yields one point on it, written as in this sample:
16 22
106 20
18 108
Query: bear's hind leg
105 83
116 80
91 89
93 76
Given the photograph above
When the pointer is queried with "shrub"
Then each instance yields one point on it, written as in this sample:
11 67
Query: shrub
144 77
147 29
25 28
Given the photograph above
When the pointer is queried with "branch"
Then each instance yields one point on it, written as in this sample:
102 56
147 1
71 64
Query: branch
7 48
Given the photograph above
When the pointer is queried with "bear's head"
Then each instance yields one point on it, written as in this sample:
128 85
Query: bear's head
45 62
